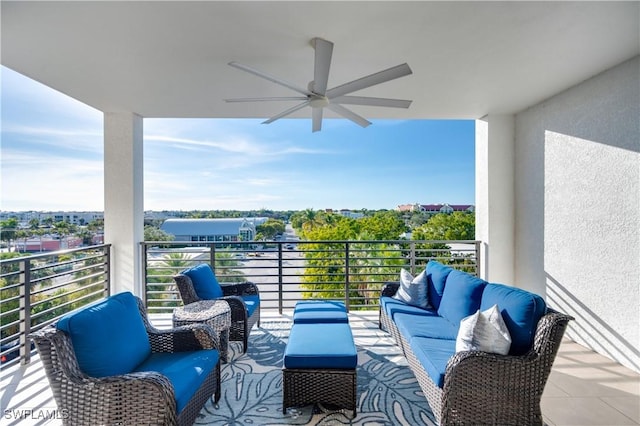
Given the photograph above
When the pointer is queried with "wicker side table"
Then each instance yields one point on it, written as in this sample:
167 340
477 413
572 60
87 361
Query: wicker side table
215 313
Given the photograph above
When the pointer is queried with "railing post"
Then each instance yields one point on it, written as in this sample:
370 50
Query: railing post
280 280
25 312
107 281
212 255
412 257
346 275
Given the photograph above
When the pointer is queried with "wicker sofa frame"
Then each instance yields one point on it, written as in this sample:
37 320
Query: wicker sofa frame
488 389
241 323
135 398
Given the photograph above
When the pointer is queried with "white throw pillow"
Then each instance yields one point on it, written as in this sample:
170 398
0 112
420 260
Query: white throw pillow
484 331
412 290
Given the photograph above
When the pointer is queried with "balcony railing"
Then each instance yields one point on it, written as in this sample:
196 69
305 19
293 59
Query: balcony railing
35 290
286 271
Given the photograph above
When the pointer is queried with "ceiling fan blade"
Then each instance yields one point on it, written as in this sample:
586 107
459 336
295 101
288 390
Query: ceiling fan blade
370 80
347 113
316 114
290 98
322 63
269 77
287 112
364 100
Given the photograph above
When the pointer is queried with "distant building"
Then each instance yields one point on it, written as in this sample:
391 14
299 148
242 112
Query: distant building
48 243
212 230
350 214
436 208
75 218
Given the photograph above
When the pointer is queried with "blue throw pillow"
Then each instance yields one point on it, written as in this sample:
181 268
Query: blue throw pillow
109 337
204 281
462 296
437 275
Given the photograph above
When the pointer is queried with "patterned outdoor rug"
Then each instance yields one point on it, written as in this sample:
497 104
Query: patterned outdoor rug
388 393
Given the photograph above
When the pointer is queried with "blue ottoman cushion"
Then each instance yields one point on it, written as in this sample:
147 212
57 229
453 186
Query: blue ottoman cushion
325 312
321 346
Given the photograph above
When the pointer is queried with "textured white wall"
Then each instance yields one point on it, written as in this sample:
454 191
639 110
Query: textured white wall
577 185
495 197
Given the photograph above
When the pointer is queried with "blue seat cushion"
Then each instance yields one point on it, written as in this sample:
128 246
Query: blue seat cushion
462 296
252 301
410 325
437 274
521 310
312 312
321 346
108 337
204 281
185 370
433 354
393 306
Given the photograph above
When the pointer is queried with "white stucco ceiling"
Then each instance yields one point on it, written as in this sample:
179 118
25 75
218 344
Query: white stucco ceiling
169 58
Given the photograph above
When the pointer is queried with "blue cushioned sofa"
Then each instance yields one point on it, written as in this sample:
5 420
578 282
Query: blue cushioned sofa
473 387
107 365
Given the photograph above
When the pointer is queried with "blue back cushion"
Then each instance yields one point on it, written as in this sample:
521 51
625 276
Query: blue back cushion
437 274
204 281
109 337
462 296
521 311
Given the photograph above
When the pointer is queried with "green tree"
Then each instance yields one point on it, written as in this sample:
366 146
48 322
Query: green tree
454 226
151 233
271 228
8 229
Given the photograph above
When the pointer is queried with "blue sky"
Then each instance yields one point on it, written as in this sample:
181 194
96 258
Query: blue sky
52 154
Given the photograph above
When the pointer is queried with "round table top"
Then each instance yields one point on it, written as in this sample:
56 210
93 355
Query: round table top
203 308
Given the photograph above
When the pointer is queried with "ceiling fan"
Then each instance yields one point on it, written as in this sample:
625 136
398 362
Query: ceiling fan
318 97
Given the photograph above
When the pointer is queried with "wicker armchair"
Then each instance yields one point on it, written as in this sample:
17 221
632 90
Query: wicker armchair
482 388
241 322
134 398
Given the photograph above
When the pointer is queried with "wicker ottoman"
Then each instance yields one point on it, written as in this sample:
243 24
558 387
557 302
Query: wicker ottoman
320 366
215 313
322 311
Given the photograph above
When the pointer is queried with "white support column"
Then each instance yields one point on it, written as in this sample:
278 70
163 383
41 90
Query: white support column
123 193
495 207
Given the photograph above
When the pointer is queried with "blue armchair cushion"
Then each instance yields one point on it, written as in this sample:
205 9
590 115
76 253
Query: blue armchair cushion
437 275
252 301
320 346
185 370
109 337
204 281
521 310
462 296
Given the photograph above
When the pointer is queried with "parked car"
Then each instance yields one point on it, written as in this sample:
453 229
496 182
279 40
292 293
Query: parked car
14 350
